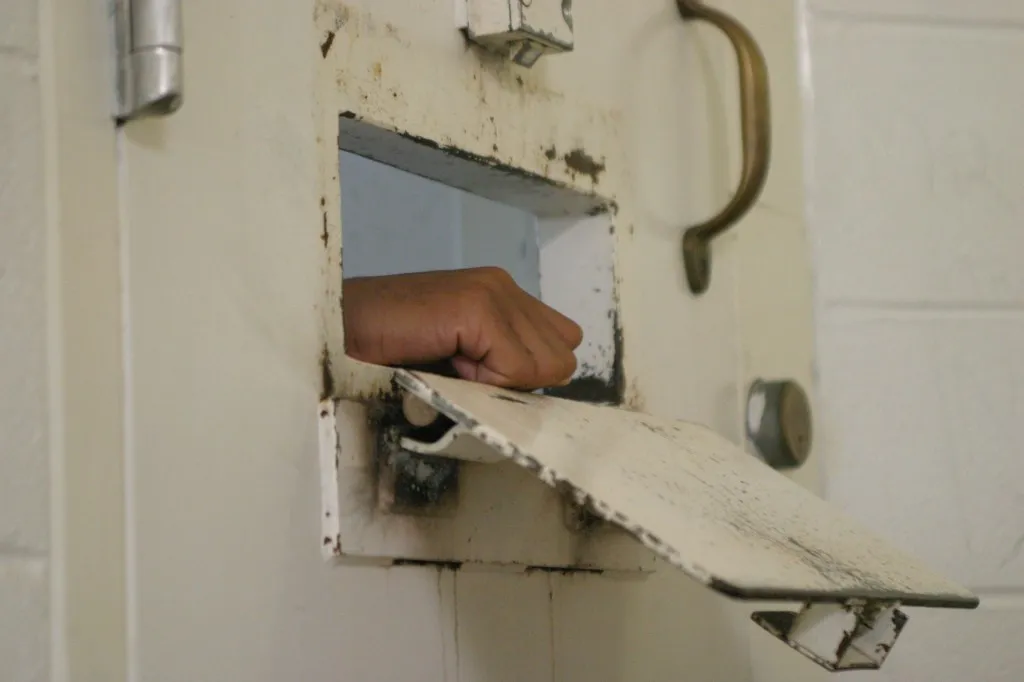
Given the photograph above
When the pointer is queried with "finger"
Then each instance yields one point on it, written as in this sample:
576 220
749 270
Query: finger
475 371
567 329
502 282
553 361
562 355
515 350
489 348
569 332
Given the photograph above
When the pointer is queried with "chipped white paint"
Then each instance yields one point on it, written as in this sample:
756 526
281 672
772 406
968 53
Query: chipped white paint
839 637
691 496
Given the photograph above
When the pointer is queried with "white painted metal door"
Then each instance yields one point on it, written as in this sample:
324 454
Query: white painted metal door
230 263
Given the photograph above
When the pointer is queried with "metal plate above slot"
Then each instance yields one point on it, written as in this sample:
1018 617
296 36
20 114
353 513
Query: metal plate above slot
689 495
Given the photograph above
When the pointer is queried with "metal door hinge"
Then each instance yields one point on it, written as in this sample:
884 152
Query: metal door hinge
148 38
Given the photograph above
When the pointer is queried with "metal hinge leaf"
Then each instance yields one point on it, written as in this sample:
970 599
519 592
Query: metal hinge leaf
148 40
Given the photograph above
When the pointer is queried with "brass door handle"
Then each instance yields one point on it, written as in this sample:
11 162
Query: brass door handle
756 130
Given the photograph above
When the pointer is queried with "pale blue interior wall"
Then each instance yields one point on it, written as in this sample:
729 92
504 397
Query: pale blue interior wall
394 222
502 235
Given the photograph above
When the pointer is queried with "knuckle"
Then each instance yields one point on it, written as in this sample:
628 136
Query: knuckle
493 275
571 364
577 336
554 367
478 298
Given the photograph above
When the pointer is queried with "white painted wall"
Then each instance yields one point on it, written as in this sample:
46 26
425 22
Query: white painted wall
24 413
915 190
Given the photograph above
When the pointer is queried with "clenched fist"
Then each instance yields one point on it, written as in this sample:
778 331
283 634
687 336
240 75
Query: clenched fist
492 331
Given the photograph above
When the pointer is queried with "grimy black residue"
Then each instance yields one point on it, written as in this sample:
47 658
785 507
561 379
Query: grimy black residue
326 375
566 570
443 565
488 161
325 46
591 389
583 163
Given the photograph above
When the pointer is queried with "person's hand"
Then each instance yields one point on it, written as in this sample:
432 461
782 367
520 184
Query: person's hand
492 331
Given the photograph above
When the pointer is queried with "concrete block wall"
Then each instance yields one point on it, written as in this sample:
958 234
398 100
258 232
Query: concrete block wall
916 193
24 442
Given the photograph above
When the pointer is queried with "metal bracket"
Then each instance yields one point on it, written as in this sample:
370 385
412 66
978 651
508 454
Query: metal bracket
148 36
857 635
419 457
524 30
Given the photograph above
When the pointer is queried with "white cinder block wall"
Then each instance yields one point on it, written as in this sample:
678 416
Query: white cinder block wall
916 191
24 448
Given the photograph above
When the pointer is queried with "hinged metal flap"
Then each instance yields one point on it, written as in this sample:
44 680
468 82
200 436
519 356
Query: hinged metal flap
720 515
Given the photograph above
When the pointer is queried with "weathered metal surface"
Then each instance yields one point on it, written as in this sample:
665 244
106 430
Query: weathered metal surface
691 496
779 422
522 30
839 637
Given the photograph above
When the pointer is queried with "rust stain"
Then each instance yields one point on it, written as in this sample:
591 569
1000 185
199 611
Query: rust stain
377 70
325 46
579 161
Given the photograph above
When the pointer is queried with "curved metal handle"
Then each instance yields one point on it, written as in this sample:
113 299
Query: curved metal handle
756 129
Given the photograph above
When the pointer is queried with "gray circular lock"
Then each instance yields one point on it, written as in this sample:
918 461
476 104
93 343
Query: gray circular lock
779 422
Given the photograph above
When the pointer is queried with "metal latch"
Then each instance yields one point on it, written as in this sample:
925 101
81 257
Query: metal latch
856 635
148 37
524 30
